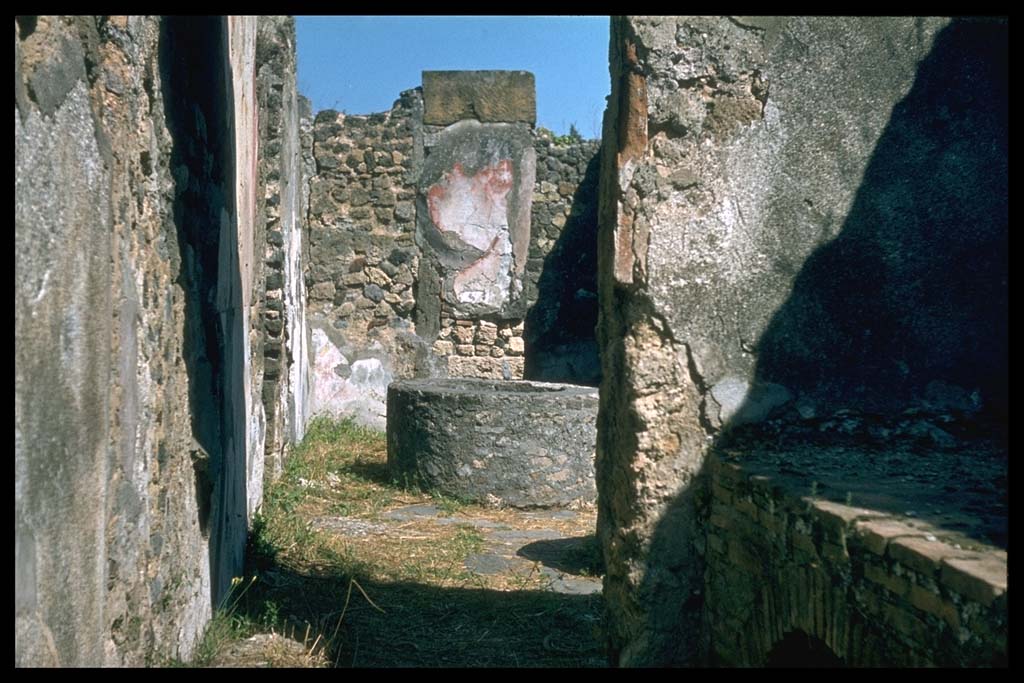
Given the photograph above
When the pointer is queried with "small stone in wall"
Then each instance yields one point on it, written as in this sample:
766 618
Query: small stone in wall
465 349
404 276
399 256
354 279
444 348
405 306
404 211
322 290
516 346
464 335
377 277
497 352
373 292
487 333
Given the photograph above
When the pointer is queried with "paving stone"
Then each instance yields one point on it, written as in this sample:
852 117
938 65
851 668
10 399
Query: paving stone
876 534
571 585
522 536
412 512
489 563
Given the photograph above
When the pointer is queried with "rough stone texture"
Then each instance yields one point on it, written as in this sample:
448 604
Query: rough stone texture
378 294
523 444
486 96
363 261
287 381
138 321
794 214
473 216
560 284
779 562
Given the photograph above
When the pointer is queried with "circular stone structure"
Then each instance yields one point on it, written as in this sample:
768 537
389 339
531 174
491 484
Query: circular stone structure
518 443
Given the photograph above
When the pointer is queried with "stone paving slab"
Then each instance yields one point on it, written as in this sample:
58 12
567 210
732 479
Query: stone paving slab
504 553
519 537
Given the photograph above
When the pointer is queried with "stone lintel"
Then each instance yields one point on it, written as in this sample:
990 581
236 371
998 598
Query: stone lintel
487 96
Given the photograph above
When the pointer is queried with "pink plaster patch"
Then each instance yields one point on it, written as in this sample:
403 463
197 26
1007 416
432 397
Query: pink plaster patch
473 207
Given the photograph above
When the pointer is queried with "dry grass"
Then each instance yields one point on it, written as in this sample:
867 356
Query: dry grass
361 588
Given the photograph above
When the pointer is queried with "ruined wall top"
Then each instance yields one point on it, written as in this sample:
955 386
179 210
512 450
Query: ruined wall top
487 96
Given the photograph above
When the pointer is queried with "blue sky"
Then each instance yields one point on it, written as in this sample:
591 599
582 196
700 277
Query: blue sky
360 64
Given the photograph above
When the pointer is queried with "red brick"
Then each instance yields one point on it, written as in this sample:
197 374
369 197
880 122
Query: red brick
981 578
920 554
875 534
837 518
927 601
893 583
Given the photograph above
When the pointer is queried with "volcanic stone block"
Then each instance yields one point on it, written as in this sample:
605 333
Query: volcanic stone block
525 444
487 96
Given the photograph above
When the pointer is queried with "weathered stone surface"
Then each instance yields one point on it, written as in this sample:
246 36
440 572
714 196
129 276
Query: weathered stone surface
738 218
484 368
285 186
921 554
343 386
487 96
142 242
979 578
876 535
474 218
523 444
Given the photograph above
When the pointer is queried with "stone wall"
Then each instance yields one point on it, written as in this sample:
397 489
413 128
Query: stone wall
139 429
561 273
379 310
363 260
287 380
795 217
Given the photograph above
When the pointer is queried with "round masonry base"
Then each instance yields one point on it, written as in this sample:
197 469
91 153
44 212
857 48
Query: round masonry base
518 443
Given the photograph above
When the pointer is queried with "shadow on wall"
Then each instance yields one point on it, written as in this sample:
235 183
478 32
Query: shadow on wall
561 344
198 101
913 291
